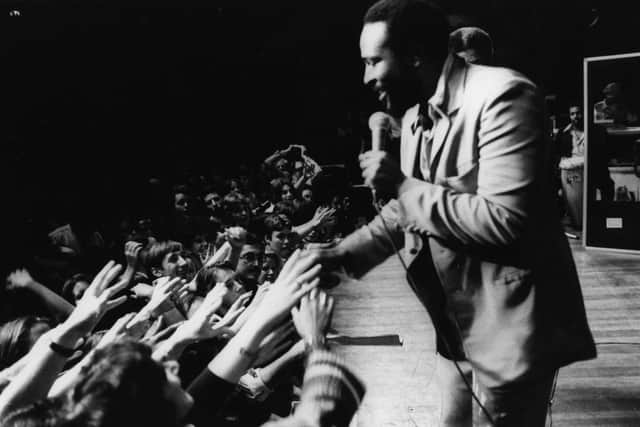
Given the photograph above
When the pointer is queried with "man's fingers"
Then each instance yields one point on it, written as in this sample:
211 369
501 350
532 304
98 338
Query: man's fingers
330 305
307 287
303 263
111 274
291 262
309 274
115 289
98 278
115 302
121 324
173 285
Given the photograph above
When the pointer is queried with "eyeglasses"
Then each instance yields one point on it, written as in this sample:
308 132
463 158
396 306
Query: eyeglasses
252 257
284 235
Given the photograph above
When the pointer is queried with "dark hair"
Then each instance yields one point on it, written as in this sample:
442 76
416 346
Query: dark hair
415 27
181 189
472 38
153 254
276 222
285 207
207 278
67 288
44 413
194 264
253 240
122 386
14 339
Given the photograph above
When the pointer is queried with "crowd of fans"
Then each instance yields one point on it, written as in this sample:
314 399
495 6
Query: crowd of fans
201 308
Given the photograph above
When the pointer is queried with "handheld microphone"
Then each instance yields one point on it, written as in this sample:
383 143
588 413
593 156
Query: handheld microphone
380 125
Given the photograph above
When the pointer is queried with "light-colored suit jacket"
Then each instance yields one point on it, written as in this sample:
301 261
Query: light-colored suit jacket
486 209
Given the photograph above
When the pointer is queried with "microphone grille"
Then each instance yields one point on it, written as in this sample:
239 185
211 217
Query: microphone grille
380 120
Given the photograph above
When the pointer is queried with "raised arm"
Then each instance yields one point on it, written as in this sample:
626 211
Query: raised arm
298 277
57 306
321 215
49 354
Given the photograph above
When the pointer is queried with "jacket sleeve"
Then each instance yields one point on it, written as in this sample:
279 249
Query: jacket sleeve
371 244
510 139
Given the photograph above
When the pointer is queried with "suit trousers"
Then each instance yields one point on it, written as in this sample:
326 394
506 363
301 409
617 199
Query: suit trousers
519 404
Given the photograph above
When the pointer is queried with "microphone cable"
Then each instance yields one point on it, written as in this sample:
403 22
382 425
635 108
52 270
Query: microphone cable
414 287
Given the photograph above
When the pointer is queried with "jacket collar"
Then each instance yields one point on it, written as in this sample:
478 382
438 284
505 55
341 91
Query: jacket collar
449 93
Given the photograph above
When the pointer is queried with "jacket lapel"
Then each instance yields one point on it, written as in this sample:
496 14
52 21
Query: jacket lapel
409 146
446 101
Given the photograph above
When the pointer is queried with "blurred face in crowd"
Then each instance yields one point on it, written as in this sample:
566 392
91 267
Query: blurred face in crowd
233 292
287 193
282 165
283 243
174 392
575 115
391 77
240 216
173 265
234 185
250 263
270 269
181 202
307 195
213 201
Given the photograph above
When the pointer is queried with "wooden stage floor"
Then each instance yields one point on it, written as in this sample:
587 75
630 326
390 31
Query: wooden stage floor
401 390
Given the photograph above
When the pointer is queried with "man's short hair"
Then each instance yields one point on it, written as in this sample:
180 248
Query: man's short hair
472 38
253 240
415 27
69 284
153 254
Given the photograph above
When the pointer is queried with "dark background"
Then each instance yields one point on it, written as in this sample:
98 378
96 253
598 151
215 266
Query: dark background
97 95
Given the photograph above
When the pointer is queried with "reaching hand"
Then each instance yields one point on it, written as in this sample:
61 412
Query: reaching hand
116 332
163 291
155 335
297 277
274 344
332 256
236 236
322 215
246 314
313 316
20 278
205 323
96 300
132 253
